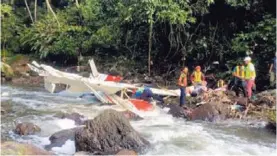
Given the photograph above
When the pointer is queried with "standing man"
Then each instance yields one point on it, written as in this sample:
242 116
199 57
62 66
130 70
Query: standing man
183 82
239 73
197 77
250 75
272 72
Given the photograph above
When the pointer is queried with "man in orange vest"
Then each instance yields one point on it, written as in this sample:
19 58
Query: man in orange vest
197 77
183 82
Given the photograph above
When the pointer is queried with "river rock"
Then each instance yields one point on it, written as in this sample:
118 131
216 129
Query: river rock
14 148
176 111
267 97
126 152
58 139
271 126
78 118
26 128
210 112
6 107
108 133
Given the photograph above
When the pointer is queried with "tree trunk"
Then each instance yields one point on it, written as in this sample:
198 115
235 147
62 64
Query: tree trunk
28 9
35 12
77 3
150 45
51 10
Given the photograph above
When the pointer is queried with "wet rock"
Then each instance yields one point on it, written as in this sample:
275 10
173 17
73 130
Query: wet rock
176 111
14 148
266 97
58 139
6 107
126 152
72 116
271 126
204 112
131 116
210 112
108 133
26 128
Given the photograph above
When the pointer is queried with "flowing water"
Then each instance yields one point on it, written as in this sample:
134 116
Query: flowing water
168 135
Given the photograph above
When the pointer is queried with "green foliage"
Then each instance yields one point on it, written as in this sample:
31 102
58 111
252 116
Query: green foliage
260 36
10 25
173 32
46 37
7 70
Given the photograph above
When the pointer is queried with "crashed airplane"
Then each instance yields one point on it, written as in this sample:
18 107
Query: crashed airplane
104 87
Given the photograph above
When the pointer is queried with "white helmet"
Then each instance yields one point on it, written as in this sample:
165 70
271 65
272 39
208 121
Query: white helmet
247 58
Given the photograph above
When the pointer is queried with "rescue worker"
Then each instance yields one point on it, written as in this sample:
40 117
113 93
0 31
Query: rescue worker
272 72
197 77
238 73
183 82
250 75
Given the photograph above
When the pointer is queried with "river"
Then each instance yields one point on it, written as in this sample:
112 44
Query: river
168 135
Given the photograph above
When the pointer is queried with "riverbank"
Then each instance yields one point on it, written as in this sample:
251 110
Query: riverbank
167 134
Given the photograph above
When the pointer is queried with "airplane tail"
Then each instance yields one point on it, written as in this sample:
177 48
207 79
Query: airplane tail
94 71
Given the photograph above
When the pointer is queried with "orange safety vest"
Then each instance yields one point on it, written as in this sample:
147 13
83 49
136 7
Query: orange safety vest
197 76
184 79
240 71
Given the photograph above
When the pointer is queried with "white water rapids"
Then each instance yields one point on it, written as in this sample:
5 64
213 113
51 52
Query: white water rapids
168 135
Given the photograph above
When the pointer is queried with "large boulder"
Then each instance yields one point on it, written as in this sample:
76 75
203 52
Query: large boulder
58 139
14 148
210 112
267 98
108 133
78 118
26 128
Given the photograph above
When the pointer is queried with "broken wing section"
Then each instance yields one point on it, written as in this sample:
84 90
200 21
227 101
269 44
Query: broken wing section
94 71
